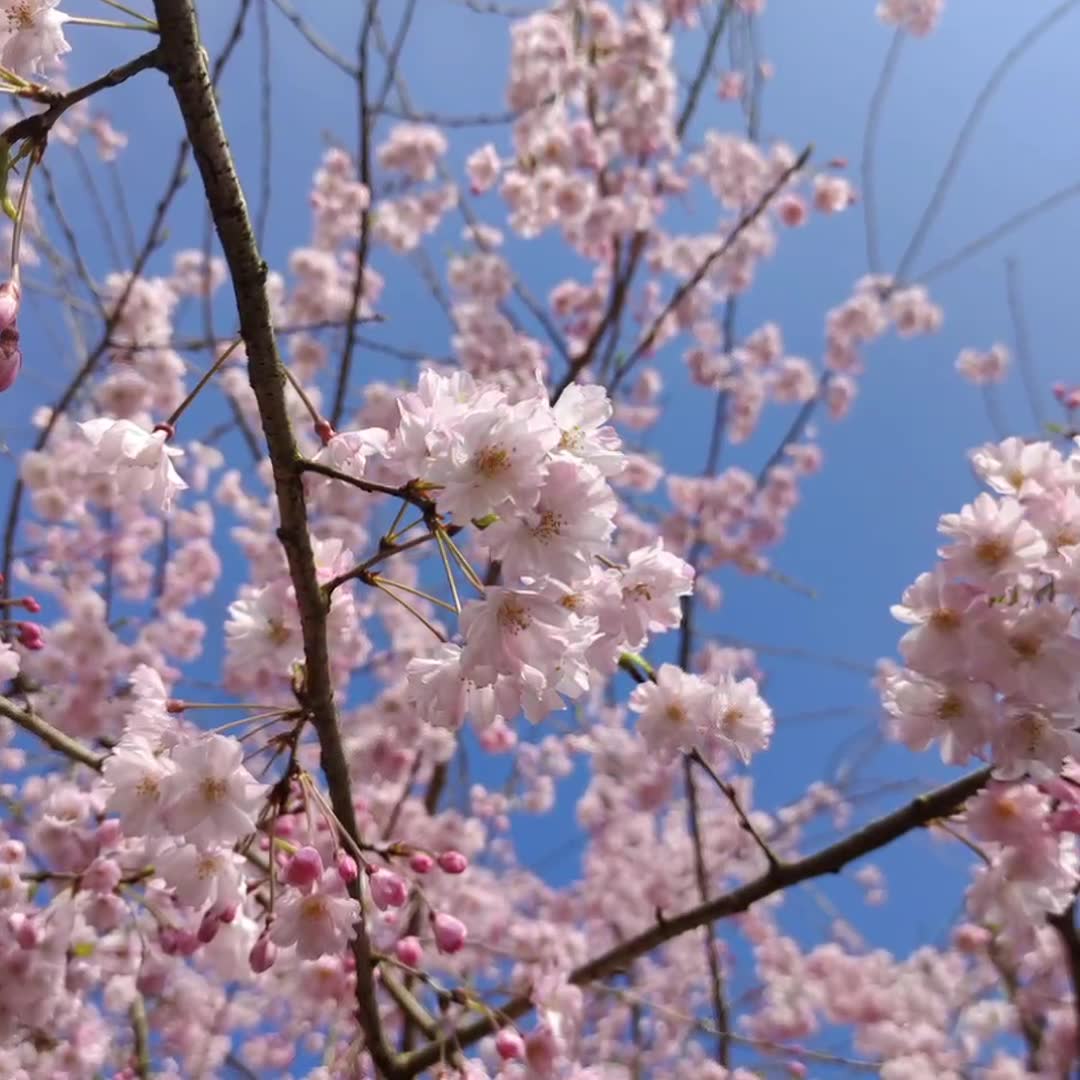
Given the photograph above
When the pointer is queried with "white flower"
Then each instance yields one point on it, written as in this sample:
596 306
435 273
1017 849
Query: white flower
137 459
199 877
582 413
211 796
651 586
32 33
138 780
318 923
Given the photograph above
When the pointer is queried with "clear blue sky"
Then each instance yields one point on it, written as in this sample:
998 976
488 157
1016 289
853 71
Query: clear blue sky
866 527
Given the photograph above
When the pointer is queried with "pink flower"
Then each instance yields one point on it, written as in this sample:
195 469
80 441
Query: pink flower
1033 741
137 780
652 585
674 710
960 713
991 541
138 461
582 414
743 721
453 862
495 462
317 923
981 368
409 950
200 877
211 797
571 523
483 167
942 613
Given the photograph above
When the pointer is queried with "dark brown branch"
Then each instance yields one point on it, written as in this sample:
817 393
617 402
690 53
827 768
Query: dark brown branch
183 61
40 124
916 814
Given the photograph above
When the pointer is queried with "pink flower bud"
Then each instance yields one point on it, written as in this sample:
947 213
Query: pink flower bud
30 636
1059 390
347 869
453 862
176 942
102 875
421 862
228 913
27 932
262 956
387 889
509 1045
792 210
208 928
324 429
450 933
10 295
12 852
10 358
108 834
31 605
174 705
304 868
409 951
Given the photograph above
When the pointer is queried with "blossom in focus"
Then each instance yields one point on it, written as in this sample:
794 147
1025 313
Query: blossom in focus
138 460
31 35
317 923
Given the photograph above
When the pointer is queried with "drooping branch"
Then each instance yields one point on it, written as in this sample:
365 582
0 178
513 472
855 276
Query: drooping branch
916 814
182 59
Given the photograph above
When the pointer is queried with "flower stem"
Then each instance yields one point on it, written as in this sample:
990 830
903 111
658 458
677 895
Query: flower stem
112 24
207 376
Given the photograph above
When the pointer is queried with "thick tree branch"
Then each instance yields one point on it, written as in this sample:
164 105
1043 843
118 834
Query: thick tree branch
51 736
830 860
182 59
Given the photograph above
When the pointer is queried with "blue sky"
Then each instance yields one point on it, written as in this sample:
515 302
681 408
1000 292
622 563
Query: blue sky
866 527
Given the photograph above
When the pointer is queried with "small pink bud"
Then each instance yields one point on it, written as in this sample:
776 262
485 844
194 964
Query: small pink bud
796 1069
151 981
102 875
450 933
12 852
1072 399
174 705
509 1045
10 357
347 869
409 951
176 942
31 605
262 956
1059 390
453 862
227 914
27 932
108 834
421 862
208 928
30 636
10 294
792 210
387 889
325 430
304 868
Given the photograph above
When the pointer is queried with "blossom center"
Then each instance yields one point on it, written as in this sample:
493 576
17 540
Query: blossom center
675 713
148 788
950 707
21 17
313 907
640 591
1026 648
277 632
573 439
213 788
548 527
513 617
992 551
945 619
491 461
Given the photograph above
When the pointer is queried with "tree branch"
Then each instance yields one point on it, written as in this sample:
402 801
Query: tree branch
183 61
51 736
830 860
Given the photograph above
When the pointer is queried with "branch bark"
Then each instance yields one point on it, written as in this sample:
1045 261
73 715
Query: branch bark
830 860
183 61
51 736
